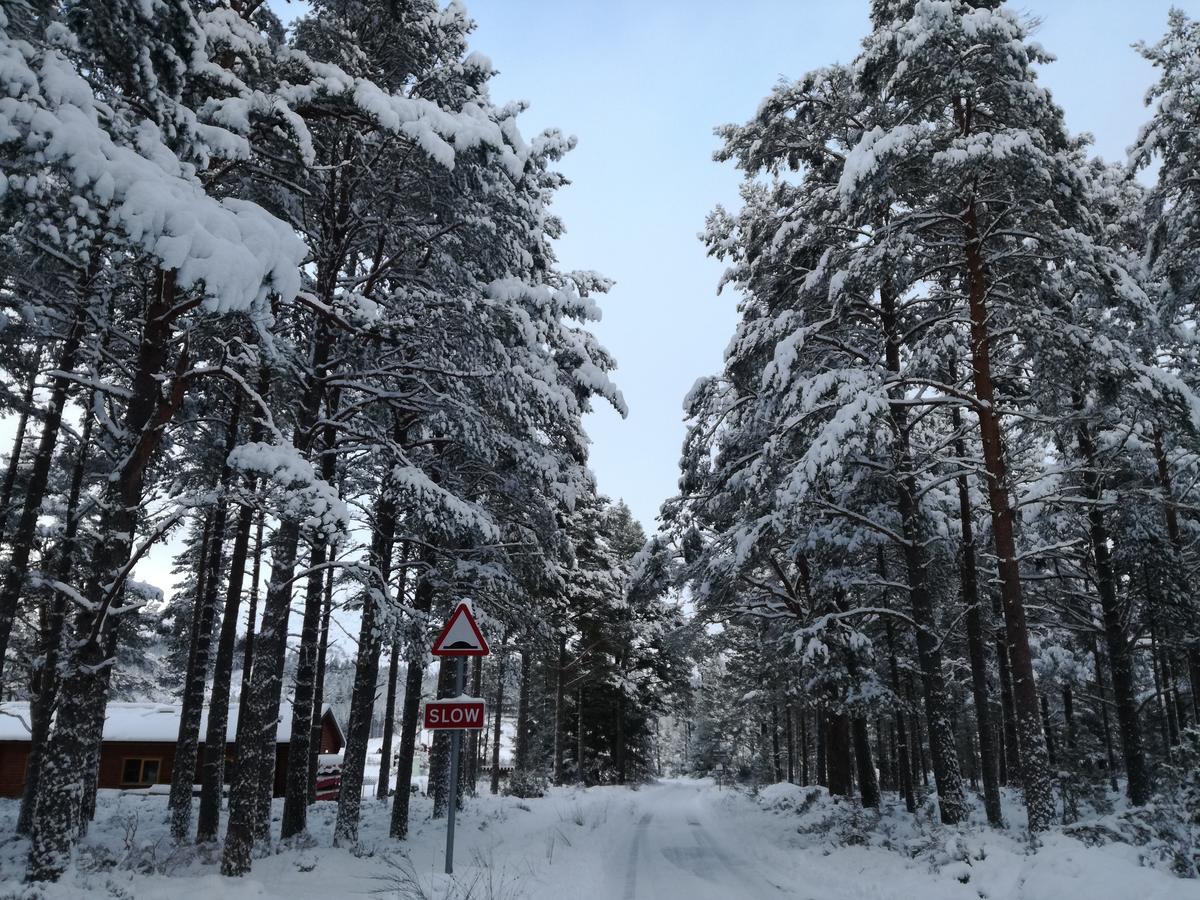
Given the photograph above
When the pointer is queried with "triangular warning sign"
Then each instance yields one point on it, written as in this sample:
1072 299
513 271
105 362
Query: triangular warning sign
461 636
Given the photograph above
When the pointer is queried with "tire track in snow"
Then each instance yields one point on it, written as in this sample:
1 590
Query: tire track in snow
639 836
741 873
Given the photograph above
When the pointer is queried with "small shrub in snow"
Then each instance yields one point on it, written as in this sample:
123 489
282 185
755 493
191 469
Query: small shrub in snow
527 784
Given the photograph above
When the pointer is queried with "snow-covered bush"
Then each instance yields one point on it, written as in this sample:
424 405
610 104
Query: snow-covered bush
527 784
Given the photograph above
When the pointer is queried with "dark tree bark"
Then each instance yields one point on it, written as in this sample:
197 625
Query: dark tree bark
297 790
521 751
820 720
868 783
503 658
252 609
417 650
837 754
439 753
14 460
75 735
389 721
212 772
1035 769
903 763
1104 722
560 724
314 754
22 539
951 799
46 676
976 647
1115 638
366 672
255 730
790 741
1051 749
179 803
473 736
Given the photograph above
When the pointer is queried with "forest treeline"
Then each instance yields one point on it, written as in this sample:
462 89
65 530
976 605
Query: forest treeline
289 298
943 493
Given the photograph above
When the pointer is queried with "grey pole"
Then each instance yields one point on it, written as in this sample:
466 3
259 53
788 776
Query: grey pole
455 744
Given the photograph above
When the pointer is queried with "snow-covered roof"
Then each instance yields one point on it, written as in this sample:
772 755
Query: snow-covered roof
154 722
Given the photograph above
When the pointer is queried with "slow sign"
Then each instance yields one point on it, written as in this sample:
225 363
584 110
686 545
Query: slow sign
463 713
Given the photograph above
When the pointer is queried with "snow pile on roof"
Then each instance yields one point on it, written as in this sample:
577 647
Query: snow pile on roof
153 722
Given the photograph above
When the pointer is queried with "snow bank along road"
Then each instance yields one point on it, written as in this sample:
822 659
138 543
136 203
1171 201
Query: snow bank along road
674 840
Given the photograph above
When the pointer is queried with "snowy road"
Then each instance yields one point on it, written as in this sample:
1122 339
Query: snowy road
680 849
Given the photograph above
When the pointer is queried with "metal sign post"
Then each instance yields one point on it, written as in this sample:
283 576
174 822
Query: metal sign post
460 638
455 748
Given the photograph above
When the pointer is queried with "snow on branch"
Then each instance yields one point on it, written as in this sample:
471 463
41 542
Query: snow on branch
304 494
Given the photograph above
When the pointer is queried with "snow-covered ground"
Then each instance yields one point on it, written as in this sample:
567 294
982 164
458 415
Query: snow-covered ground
681 839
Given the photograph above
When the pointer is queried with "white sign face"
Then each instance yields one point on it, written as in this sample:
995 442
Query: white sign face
461 636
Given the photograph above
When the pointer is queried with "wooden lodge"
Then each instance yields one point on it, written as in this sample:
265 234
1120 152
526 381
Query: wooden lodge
138 750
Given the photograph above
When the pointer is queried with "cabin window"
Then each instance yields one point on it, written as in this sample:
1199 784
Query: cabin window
139 770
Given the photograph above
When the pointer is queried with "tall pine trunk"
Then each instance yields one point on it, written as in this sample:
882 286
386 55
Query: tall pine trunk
1035 768
951 799
183 774
495 786
75 735
382 788
46 675
366 671
976 646
1116 641
22 539
256 729
417 652
314 754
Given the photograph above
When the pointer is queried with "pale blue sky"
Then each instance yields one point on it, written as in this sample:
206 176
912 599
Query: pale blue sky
642 86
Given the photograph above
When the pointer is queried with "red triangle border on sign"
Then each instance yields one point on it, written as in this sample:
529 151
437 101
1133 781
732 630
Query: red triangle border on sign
461 610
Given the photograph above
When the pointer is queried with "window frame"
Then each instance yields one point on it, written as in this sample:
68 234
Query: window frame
141 760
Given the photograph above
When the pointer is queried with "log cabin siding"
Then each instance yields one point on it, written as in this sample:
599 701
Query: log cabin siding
13 756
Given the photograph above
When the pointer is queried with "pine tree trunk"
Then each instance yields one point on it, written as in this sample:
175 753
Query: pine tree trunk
903 763
580 748
22 538
521 754
366 672
820 721
868 783
1108 743
252 610
422 603
256 749
951 799
75 736
560 724
837 754
314 749
389 721
439 753
1115 639
790 741
495 786
212 771
183 774
46 676
473 738
976 647
1012 747
804 771
14 460
296 793
1035 770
